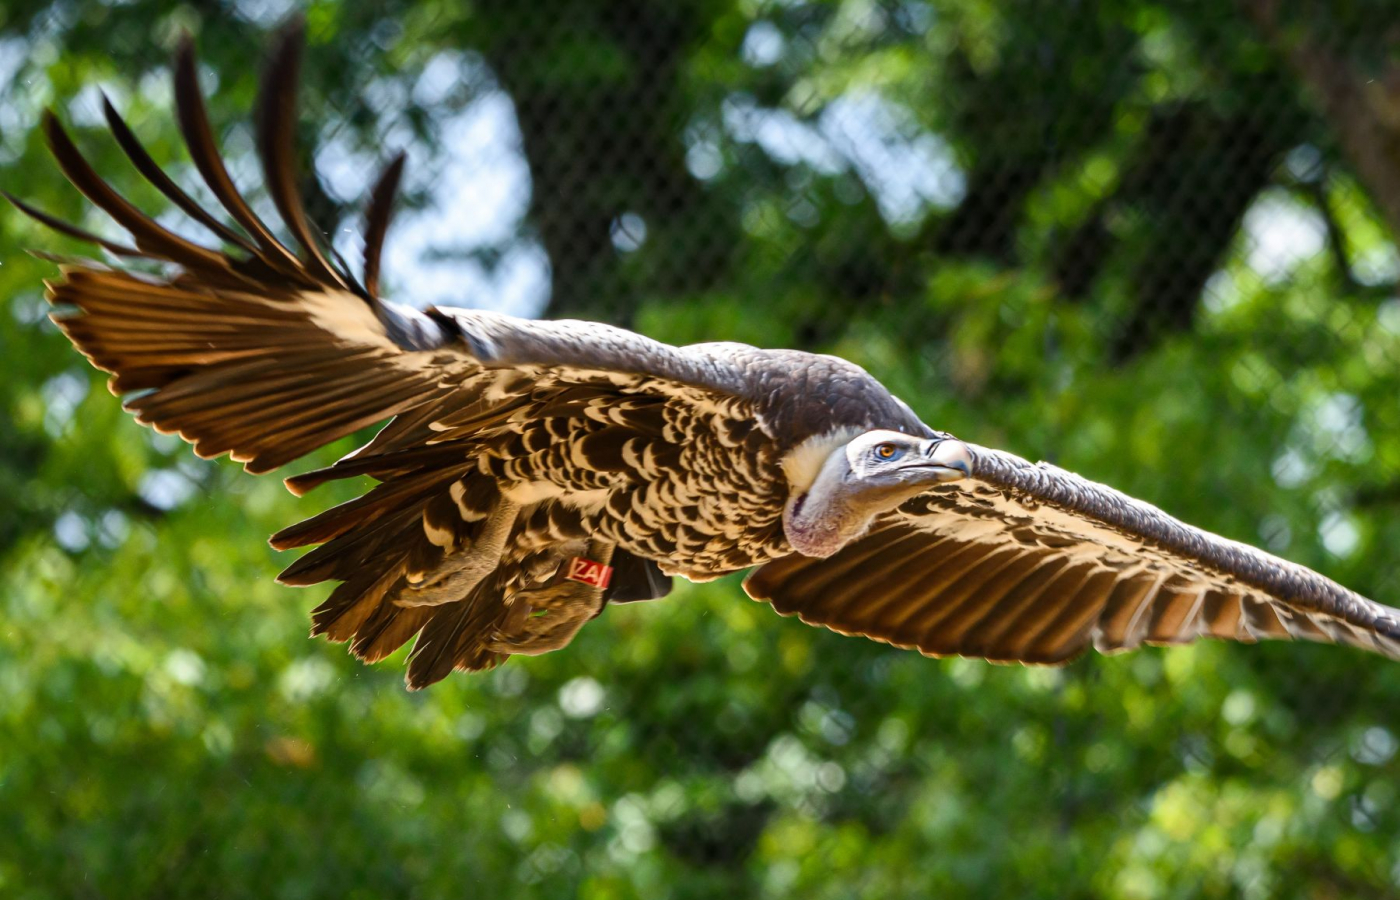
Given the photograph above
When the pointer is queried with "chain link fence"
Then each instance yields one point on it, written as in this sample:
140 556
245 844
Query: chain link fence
1150 242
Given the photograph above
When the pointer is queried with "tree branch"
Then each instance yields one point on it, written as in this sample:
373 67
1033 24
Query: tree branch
1364 108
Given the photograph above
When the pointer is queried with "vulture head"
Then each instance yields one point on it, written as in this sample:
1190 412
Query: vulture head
840 483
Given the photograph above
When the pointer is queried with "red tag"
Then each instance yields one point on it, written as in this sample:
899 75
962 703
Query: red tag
589 572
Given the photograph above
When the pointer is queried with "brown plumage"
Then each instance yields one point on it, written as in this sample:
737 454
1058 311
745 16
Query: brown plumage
515 446
987 571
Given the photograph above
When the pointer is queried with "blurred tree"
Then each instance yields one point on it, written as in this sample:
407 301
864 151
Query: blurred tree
1349 59
1151 241
614 71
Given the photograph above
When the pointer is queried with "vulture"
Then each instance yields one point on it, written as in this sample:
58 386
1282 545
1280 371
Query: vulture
530 472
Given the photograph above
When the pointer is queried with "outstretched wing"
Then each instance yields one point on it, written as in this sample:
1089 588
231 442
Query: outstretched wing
267 349
1029 563
256 350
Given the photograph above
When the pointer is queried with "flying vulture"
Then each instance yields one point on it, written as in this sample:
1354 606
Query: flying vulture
533 471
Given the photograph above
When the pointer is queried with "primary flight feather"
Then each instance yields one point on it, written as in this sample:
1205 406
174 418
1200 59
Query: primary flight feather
533 471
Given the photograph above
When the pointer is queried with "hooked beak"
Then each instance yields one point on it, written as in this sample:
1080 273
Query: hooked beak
951 461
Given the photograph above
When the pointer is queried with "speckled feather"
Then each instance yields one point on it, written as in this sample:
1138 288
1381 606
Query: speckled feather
683 458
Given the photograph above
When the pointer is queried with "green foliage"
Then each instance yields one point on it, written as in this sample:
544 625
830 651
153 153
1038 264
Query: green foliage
166 729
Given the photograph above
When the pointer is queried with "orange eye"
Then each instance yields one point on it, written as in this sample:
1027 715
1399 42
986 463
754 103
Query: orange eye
886 451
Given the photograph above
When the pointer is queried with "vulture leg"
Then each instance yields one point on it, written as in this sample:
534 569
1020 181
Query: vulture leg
460 572
566 605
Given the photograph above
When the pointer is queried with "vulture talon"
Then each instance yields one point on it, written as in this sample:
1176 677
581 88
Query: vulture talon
566 596
566 606
459 573
546 633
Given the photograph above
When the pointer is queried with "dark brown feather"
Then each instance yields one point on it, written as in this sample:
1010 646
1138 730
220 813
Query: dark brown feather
382 466
636 578
386 541
1024 592
1065 631
451 640
901 572
963 597
377 217
204 150
382 499
917 623
276 127
72 231
388 628
1125 604
352 601
153 173
1021 609
1173 613
958 628
151 237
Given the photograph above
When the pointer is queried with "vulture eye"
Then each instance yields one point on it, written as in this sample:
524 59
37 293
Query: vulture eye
887 451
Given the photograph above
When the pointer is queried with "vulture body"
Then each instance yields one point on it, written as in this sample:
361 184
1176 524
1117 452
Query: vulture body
519 449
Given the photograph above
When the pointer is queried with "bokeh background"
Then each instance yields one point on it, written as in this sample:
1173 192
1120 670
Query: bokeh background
1152 242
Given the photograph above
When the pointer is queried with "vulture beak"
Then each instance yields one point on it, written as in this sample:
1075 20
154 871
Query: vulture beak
951 459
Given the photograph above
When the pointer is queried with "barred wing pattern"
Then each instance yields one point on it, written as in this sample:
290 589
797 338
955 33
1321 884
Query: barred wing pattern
1029 563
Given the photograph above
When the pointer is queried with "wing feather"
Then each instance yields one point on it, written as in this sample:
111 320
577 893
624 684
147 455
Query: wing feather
377 216
152 172
1072 619
1030 563
204 150
72 231
276 121
920 627
152 238
1023 607
266 351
